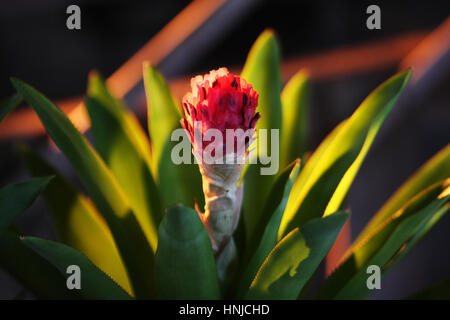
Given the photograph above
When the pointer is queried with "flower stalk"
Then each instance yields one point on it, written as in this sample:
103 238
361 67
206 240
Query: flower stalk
223 200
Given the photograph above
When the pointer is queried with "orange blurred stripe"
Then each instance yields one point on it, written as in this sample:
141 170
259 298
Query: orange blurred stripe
428 51
357 59
330 64
163 43
24 123
340 246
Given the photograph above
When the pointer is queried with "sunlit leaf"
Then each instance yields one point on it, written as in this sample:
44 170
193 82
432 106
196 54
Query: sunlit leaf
262 71
102 186
265 237
330 175
76 220
295 258
163 118
16 198
434 170
123 145
356 288
185 267
385 245
163 111
425 228
94 283
313 160
294 135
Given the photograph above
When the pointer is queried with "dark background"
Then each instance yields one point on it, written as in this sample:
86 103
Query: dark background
36 46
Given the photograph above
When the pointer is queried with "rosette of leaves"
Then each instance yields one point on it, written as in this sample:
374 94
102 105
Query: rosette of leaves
135 234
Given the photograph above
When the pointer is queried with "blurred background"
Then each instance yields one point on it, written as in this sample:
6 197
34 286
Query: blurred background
344 58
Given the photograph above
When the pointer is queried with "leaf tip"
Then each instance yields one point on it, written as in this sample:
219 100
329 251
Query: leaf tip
268 36
147 64
94 75
406 75
268 32
148 67
16 82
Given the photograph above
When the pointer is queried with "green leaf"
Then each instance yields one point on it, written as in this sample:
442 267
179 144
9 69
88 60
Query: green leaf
437 291
314 159
163 118
295 258
185 267
295 100
383 231
31 270
422 232
163 111
356 287
94 283
262 71
265 237
385 245
124 147
9 104
329 176
434 170
76 219
16 198
102 186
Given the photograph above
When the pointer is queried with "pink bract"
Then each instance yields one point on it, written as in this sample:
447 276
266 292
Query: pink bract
220 100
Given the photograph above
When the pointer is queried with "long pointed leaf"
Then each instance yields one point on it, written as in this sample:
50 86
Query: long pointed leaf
163 118
262 71
294 136
384 246
16 198
94 283
266 236
434 170
356 288
31 270
323 191
124 146
77 220
295 258
103 188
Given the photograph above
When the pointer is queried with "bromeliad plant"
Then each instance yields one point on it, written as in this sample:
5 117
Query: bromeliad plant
222 102
137 236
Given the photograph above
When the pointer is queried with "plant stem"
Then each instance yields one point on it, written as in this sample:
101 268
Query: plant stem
223 200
